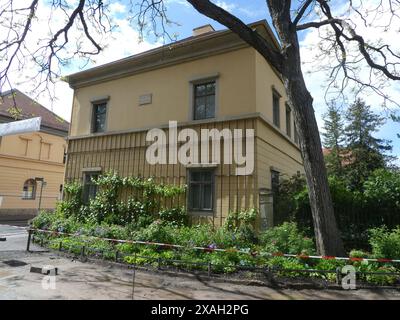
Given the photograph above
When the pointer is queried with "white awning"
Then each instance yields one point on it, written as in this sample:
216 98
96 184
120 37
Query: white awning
22 126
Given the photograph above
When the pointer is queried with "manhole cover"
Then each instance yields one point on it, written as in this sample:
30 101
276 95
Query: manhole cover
15 263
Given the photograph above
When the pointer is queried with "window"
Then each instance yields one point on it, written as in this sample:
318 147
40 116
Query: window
89 187
204 100
288 121
296 135
274 187
201 190
29 190
99 117
275 109
274 181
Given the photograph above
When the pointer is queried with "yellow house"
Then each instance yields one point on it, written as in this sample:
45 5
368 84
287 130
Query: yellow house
212 80
31 164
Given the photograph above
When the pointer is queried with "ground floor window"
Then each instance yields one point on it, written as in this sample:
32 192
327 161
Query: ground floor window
201 190
29 190
274 187
89 187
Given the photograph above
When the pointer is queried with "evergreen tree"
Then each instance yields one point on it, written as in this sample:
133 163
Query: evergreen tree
365 153
334 139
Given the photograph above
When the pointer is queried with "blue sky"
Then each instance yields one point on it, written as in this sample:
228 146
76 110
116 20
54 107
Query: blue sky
182 13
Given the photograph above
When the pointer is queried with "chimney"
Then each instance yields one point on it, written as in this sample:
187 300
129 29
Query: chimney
202 30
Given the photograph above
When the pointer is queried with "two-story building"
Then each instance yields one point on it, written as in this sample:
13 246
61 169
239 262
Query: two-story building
212 80
31 164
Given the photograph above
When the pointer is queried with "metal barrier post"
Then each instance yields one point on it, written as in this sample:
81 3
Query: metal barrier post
338 275
82 252
133 277
28 244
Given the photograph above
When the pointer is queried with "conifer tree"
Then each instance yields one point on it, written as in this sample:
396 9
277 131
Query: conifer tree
366 153
334 139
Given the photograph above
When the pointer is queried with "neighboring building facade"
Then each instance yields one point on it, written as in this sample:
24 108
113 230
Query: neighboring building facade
210 80
27 158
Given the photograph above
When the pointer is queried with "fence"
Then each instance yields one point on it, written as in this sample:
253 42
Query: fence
353 219
118 257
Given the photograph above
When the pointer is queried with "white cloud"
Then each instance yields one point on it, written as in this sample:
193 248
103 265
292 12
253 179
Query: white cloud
117 7
226 6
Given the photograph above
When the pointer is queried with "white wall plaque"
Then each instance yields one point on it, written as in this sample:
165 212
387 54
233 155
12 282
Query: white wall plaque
145 99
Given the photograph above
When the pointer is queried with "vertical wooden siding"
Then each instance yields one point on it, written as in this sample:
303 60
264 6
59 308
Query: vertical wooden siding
125 153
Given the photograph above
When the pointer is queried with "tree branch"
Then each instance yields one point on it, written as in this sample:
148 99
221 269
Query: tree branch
233 23
301 12
316 24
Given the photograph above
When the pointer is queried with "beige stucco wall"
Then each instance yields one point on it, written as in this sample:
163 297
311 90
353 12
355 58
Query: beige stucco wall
244 91
26 156
275 151
35 146
170 87
266 79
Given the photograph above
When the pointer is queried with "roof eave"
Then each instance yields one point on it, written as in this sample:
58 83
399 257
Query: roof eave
155 58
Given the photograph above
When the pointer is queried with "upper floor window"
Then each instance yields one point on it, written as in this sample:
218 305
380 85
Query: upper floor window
276 109
29 190
288 120
201 190
65 156
99 117
296 135
204 100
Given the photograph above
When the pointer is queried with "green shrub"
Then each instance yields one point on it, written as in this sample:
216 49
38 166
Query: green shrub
241 218
383 189
358 254
174 216
156 232
286 263
382 279
198 235
287 238
73 202
45 219
385 243
375 203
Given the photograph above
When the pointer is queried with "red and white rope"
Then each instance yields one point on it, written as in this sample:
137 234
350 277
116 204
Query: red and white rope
207 249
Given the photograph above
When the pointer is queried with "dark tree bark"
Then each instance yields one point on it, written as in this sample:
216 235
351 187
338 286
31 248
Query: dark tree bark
288 63
326 232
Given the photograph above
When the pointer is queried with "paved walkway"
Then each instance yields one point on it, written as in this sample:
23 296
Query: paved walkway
77 280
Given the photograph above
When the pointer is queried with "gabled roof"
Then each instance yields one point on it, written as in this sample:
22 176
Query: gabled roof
15 105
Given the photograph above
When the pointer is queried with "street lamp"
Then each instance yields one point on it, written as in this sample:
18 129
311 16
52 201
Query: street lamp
43 184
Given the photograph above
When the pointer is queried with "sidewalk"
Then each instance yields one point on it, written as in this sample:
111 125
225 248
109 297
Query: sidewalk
77 280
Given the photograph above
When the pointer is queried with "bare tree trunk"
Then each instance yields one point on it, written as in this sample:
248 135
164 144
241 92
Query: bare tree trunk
326 232
288 63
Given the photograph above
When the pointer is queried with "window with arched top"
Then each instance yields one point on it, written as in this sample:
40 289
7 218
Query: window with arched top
29 190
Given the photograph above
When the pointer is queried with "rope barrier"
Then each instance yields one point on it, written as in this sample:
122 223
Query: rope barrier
232 250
